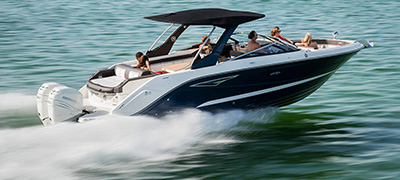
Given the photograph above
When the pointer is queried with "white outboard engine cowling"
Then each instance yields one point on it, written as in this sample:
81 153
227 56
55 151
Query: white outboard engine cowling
64 104
42 98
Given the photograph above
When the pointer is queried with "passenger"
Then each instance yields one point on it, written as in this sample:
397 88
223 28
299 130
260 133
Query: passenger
307 41
225 54
252 44
207 48
142 61
276 32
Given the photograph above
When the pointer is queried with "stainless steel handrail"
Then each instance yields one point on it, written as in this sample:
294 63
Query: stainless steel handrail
198 52
155 42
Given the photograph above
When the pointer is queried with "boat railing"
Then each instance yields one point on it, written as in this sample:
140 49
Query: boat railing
158 39
204 43
274 39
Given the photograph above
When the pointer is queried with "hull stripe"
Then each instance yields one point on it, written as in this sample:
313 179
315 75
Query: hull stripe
259 92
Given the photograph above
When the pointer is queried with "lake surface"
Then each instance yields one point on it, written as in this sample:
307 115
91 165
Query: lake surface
348 129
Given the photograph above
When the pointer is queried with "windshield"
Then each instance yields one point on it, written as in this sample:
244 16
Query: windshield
269 45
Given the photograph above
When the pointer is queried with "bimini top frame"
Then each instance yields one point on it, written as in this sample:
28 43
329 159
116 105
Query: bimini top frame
227 19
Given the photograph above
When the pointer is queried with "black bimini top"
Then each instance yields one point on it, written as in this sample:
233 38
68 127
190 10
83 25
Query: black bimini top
216 17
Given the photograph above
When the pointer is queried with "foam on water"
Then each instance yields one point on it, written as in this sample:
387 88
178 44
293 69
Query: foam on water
18 110
61 150
16 101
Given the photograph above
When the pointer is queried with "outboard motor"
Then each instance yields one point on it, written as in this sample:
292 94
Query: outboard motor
57 103
42 98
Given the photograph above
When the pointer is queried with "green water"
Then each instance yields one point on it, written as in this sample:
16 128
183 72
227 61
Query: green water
348 129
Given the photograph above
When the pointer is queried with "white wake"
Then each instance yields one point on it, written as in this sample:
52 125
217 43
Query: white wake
59 151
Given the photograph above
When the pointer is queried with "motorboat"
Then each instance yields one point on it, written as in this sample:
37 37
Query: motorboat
276 74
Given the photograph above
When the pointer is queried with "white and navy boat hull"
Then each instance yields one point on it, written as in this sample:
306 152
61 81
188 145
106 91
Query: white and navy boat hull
252 87
276 74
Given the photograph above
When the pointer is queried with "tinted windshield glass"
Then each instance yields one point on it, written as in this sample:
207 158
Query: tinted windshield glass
269 45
